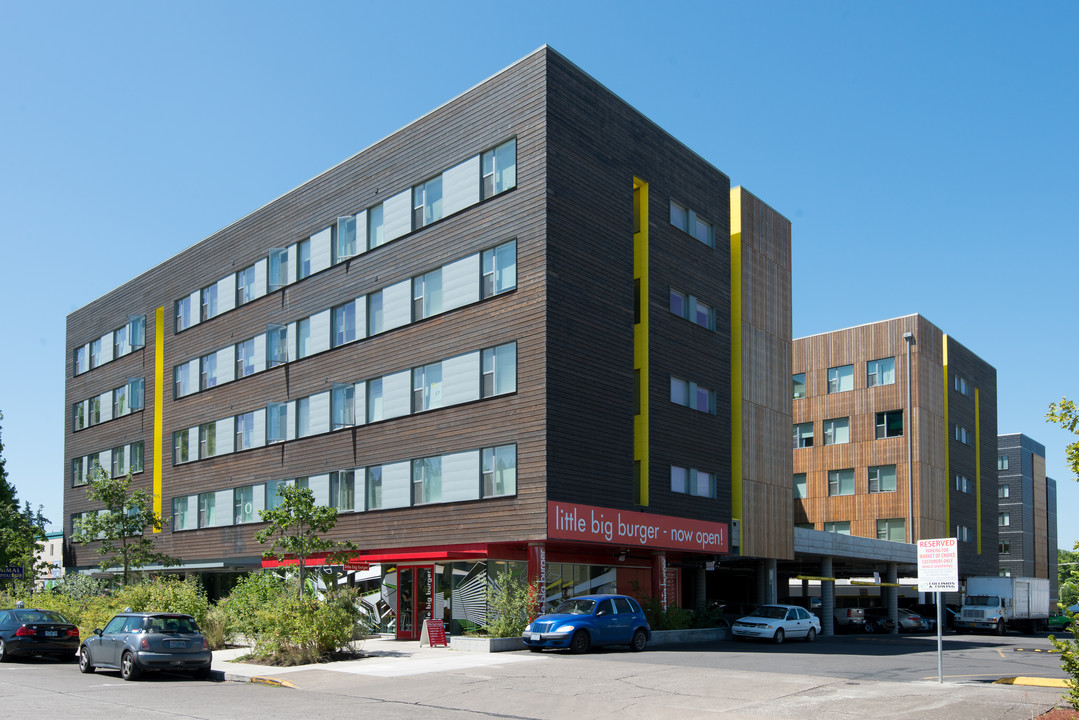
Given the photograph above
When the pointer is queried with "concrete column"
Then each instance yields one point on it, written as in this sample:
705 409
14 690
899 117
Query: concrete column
537 574
766 581
893 596
659 577
827 599
701 595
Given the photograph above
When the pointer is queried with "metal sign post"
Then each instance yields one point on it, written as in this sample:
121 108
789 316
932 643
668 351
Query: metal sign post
938 571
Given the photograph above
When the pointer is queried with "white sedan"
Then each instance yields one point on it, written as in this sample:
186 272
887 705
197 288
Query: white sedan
776 623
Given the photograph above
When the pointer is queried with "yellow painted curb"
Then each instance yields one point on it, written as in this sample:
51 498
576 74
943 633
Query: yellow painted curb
1037 681
263 680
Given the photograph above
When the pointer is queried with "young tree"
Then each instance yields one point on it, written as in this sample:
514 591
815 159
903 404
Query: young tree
295 529
22 533
1066 416
122 524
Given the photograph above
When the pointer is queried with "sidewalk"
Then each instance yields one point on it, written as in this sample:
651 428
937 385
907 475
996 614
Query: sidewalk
383 657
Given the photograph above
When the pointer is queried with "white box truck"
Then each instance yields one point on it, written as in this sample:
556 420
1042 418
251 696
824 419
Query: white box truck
1001 603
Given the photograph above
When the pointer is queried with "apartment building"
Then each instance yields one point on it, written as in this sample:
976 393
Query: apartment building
895 438
1026 510
524 332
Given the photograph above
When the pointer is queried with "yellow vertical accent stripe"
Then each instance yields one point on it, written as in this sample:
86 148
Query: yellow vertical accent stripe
640 343
736 364
159 405
947 448
978 463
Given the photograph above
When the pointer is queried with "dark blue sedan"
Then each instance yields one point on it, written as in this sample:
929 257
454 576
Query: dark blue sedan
587 621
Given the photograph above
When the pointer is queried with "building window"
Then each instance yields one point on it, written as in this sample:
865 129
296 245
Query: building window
963 533
78 473
276 422
376 230
427 203
374 487
208 439
803 435
277 276
836 431
499 471
245 285
499 269
840 379
185 318
343 405
1005 572
799 382
427 480
1004 491
82 359
893 529
691 223
841 482
804 526
343 490
245 358
499 370
427 387
303 417
692 395
303 259
209 302
880 372
208 375
963 435
889 424
1002 462
185 513
1004 519
691 481
840 527
374 313
374 400
1004 547
181 447
427 294
498 169
247 502
121 343
276 345
882 478
963 484
800 486
245 432
345 245
960 384
690 308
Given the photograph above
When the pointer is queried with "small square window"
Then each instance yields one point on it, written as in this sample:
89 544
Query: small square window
840 379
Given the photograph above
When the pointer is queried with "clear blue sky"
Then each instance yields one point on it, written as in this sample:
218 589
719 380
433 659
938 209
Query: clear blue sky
925 152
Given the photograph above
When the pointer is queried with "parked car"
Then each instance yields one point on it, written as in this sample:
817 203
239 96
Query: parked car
911 621
948 613
134 642
590 621
776 623
848 617
878 621
37 632
1060 621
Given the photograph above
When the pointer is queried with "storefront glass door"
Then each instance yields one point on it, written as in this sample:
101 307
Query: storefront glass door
415 600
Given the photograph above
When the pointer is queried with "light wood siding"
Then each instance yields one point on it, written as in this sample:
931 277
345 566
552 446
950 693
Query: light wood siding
767 527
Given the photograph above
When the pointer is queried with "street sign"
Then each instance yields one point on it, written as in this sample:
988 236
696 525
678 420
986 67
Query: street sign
938 566
11 572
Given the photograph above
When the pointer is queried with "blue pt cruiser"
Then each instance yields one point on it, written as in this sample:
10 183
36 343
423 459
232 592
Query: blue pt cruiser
587 621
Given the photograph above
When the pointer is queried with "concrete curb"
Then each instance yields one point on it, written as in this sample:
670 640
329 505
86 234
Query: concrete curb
1035 681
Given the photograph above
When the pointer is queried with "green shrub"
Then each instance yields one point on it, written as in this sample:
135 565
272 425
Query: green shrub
286 629
215 626
510 605
1069 659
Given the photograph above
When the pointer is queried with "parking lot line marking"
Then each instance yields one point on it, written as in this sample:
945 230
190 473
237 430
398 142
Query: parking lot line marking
1001 652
